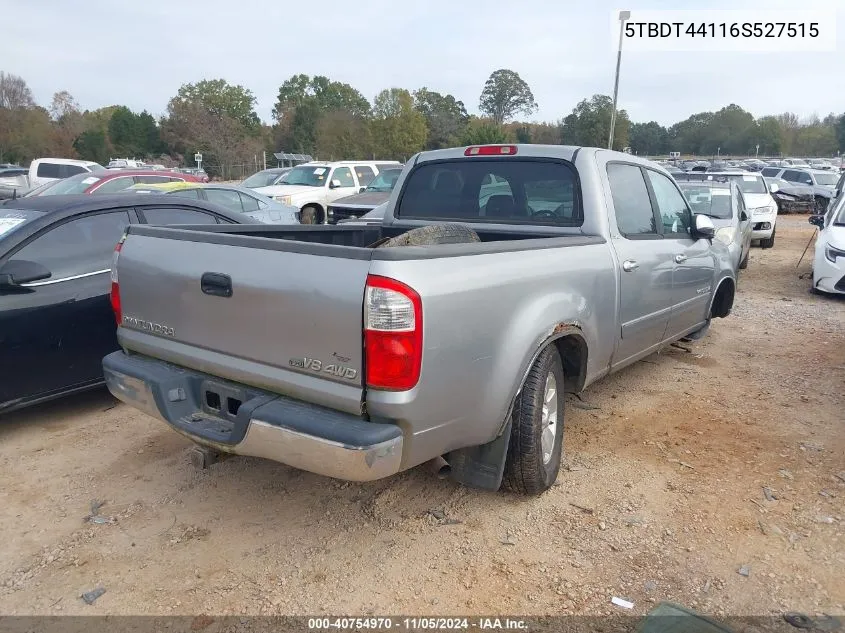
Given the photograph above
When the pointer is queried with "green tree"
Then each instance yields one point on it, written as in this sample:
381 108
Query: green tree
840 132
125 133
303 101
399 130
343 135
221 99
505 95
589 124
650 139
481 132
769 137
92 145
687 136
445 116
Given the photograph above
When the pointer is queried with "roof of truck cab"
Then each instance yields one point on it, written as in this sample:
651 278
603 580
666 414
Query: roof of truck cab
563 152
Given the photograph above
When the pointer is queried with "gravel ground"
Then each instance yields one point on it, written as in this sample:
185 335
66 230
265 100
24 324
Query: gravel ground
713 477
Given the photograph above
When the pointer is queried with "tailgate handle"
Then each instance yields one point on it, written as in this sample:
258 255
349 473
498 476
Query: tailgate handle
216 284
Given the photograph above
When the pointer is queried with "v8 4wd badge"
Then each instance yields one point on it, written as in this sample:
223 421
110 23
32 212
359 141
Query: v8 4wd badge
315 365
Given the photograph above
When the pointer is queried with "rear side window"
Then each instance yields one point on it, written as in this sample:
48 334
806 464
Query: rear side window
493 190
71 170
80 246
249 203
634 215
344 175
187 193
152 180
48 170
169 215
791 175
770 172
226 198
365 174
115 184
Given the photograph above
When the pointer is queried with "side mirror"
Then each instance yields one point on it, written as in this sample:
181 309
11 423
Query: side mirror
743 217
816 220
704 228
773 187
334 184
16 272
361 189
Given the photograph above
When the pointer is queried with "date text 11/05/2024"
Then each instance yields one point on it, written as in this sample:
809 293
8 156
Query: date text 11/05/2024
417 623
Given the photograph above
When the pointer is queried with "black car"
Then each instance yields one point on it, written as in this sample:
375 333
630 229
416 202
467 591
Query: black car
56 321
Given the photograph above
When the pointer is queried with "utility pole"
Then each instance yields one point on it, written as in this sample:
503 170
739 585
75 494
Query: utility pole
623 16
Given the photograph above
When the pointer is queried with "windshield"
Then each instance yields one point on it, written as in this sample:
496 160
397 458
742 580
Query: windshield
12 219
828 180
712 201
310 176
261 179
73 184
385 181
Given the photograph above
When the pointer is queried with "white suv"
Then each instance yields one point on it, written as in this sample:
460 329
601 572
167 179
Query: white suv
312 186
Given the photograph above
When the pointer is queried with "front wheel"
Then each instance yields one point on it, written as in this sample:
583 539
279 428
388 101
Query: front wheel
769 242
536 441
311 214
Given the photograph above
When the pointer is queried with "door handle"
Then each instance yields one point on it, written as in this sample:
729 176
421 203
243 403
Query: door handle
680 259
629 265
216 284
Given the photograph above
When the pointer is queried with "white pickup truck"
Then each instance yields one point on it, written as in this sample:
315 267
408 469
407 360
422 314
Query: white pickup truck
312 186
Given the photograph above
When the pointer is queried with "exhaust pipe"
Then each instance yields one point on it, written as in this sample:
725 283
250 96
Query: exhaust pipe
440 467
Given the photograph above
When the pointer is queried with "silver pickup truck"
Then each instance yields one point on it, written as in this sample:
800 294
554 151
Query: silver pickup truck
501 277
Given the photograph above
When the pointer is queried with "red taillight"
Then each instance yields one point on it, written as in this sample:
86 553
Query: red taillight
491 150
393 337
114 296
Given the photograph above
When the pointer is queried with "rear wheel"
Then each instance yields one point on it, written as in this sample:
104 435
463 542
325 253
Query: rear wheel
769 242
536 441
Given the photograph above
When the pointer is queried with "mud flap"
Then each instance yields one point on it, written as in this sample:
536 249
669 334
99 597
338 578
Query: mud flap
481 466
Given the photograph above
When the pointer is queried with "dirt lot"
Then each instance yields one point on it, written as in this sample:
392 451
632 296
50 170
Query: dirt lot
680 472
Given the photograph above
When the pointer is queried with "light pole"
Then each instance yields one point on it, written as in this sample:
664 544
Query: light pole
623 15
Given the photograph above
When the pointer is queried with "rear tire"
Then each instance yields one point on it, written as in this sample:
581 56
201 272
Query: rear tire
431 235
311 214
533 462
768 243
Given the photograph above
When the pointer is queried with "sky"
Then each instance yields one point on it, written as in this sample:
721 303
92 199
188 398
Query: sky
139 52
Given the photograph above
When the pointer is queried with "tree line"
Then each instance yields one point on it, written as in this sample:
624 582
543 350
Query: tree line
333 120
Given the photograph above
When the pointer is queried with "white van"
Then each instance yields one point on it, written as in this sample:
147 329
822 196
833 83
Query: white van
44 170
312 186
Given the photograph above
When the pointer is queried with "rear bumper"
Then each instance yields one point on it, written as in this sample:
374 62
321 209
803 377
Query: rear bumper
245 421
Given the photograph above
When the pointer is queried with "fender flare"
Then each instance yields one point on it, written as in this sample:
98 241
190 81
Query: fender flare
483 466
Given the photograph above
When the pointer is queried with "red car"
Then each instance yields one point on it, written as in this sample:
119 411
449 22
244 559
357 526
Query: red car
109 181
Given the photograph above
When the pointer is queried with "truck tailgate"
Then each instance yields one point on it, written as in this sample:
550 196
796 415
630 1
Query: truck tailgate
291 323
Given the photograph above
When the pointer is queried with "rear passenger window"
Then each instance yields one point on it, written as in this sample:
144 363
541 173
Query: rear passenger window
634 215
226 198
152 180
365 174
791 175
186 193
249 203
344 175
770 172
67 171
166 215
115 184
78 247
47 170
673 209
